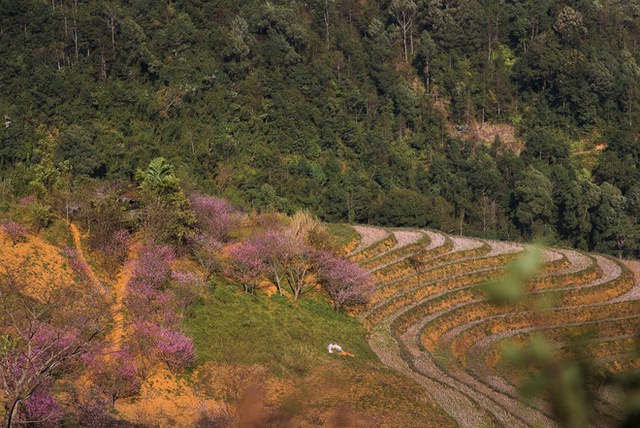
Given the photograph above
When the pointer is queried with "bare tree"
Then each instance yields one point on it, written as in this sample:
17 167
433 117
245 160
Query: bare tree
404 11
326 18
109 17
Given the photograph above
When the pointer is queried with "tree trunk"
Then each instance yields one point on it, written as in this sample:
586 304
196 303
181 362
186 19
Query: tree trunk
11 414
326 20
411 41
278 279
404 40
75 30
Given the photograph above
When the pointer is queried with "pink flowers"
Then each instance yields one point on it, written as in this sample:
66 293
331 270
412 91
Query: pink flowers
28 370
216 217
15 231
175 349
116 377
246 265
41 409
153 267
153 343
346 283
79 268
27 200
157 299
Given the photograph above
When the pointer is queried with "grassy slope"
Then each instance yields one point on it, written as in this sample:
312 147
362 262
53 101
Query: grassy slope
290 340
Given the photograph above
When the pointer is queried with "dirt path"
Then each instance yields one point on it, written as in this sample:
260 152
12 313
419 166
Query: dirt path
597 148
120 291
119 287
77 242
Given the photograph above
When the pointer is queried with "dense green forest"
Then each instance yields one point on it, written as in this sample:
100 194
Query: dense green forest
359 110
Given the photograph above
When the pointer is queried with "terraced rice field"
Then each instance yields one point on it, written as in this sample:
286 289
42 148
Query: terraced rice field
430 319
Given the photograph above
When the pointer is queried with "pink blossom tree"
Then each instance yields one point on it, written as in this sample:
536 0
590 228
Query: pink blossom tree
114 248
152 343
115 377
175 349
27 200
157 300
246 265
43 338
287 260
277 251
147 303
41 409
300 271
141 342
153 266
207 252
14 231
346 283
94 411
79 268
216 217
188 287
30 363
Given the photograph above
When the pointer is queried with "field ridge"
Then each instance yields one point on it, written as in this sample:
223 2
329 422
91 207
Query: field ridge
431 320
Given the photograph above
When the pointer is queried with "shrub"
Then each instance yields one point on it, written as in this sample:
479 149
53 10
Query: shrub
26 200
175 349
41 409
116 377
39 215
206 250
189 287
216 217
15 231
106 219
94 413
246 265
153 266
79 268
346 283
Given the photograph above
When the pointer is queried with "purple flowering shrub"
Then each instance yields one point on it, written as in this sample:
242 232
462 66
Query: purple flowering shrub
27 200
79 268
153 266
216 217
41 409
116 377
207 252
188 287
175 349
157 298
14 231
246 265
346 283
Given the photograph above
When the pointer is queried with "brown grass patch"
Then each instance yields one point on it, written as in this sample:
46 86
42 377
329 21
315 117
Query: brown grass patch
41 263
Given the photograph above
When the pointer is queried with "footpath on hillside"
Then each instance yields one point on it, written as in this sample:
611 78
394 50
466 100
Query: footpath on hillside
119 287
77 242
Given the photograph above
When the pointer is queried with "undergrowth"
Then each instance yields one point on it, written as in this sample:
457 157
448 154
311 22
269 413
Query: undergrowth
343 235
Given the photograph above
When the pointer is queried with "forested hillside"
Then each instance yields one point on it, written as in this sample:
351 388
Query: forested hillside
503 118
